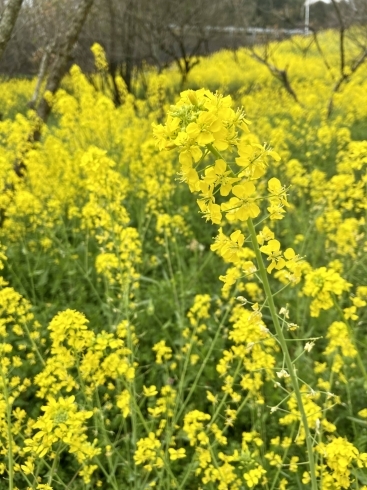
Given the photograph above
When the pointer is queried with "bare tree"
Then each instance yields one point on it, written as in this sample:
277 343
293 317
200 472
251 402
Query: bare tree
268 22
243 15
133 32
61 61
43 67
280 74
180 32
7 22
48 20
116 26
352 27
57 70
123 53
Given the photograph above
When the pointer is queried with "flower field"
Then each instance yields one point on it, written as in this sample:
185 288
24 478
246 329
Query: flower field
183 283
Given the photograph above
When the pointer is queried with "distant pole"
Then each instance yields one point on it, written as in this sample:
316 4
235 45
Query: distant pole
307 18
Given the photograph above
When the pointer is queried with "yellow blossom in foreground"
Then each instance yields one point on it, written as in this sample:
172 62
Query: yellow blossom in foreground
339 455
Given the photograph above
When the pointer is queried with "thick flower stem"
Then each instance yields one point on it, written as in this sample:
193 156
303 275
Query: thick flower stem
283 344
281 339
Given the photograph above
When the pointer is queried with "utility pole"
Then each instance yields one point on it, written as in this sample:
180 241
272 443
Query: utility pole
307 18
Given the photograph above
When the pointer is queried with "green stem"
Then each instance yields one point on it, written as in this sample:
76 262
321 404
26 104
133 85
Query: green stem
287 357
54 464
34 345
281 339
48 466
203 365
131 387
8 423
283 460
220 405
112 476
140 415
172 277
30 274
181 384
214 151
27 480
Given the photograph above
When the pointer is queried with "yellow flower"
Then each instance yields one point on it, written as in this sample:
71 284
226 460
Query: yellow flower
123 402
28 467
242 206
99 57
150 391
176 454
253 476
272 249
163 353
212 398
211 211
149 452
252 158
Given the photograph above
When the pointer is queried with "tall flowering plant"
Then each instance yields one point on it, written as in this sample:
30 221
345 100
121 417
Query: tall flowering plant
226 169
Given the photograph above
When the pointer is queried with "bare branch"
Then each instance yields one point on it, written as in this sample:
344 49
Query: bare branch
281 75
41 74
346 21
321 52
341 36
7 22
345 79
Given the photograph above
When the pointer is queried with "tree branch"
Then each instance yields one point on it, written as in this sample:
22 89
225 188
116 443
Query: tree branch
7 22
281 75
60 64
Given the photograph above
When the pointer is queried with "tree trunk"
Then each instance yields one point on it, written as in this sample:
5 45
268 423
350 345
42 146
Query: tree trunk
60 64
7 22
41 75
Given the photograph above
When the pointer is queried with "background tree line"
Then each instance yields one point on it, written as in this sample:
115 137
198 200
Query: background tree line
154 31
44 37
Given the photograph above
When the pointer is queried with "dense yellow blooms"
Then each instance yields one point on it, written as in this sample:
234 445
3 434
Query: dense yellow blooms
115 388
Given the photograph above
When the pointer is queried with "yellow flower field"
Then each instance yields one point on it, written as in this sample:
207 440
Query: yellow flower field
183 283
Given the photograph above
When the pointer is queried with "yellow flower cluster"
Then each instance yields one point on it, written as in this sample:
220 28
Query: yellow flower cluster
203 123
321 284
205 120
99 57
179 380
61 421
340 454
